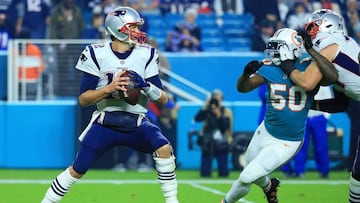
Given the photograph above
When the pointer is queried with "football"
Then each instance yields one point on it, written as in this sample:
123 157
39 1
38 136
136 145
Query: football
132 95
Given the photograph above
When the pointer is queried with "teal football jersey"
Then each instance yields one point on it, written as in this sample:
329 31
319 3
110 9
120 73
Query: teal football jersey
287 104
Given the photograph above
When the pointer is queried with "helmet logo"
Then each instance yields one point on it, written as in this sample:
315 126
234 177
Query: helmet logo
296 39
119 13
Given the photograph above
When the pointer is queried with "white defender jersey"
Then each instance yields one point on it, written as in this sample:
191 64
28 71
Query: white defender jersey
346 62
101 61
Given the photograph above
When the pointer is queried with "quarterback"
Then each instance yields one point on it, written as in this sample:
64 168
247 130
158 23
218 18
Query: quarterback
116 121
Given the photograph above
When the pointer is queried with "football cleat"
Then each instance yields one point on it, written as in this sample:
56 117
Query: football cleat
271 195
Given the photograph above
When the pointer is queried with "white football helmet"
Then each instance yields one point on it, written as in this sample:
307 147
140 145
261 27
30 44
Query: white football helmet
119 23
324 20
290 42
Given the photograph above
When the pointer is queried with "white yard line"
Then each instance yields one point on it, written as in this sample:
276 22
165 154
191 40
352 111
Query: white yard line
193 183
190 182
217 192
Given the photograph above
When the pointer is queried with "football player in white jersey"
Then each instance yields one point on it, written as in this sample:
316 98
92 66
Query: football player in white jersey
325 33
116 122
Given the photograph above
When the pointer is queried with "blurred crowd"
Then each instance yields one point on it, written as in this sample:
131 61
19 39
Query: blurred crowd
75 19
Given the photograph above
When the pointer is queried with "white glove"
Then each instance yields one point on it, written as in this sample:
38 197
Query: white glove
285 53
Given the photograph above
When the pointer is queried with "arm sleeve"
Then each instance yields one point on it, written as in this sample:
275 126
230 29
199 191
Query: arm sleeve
88 82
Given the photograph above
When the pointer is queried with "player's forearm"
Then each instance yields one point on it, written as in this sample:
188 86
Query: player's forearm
247 82
243 84
300 78
328 70
90 97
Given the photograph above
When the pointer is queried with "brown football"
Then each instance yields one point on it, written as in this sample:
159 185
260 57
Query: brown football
132 95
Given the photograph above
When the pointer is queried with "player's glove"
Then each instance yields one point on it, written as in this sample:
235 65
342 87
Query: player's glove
153 92
138 81
287 60
306 38
252 67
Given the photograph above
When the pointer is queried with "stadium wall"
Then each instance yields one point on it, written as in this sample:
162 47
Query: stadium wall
36 134
3 75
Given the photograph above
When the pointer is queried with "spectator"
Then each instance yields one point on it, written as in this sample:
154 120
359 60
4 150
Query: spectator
216 134
146 6
110 5
204 7
30 75
96 30
298 16
228 6
167 6
333 5
33 17
66 22
186 36
263 9
7 31
9 7
265 31
283 8
351 17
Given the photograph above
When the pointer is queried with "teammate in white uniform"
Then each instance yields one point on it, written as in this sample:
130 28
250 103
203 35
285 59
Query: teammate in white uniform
276 140
115 122
325 33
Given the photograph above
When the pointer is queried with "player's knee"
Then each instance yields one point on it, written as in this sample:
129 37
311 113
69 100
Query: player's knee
247 177
74 173
164 151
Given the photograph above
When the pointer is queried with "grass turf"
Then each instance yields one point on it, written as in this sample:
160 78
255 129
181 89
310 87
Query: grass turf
97 186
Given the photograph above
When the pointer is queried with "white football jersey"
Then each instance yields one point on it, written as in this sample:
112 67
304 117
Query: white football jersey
346 62
100 60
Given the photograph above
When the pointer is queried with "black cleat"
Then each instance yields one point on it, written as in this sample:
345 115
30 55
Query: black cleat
271 195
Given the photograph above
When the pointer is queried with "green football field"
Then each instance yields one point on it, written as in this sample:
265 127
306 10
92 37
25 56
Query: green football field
106 186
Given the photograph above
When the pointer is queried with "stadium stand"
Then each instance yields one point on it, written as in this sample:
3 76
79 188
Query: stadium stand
233 34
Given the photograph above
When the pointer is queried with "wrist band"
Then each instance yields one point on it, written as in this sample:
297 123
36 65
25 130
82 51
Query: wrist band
153 92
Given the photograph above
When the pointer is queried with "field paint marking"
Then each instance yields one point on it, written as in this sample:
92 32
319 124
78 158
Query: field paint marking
217 192
190 182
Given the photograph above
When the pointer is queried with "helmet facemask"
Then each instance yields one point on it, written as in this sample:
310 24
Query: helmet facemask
124 24
324 20
134 36
289 41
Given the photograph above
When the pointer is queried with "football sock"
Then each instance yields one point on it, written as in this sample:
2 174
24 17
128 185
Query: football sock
167 178
354 190
264 183
59 187
237 191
